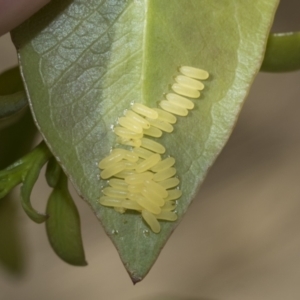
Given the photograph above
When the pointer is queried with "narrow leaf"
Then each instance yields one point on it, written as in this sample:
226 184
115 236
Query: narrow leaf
11 104
12 94
34 162
63 225
283 53
26 190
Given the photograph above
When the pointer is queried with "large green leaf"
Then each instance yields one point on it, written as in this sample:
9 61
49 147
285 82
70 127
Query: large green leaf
84 62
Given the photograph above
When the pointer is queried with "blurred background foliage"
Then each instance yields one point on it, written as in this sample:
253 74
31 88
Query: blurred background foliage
16 141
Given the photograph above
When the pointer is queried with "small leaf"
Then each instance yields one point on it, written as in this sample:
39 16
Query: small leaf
26 170
26 190
84 62
11 104
12 95
63 225
282 53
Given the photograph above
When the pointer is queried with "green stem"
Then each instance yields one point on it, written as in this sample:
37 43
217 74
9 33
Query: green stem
35 160
53 172
26 170
282 53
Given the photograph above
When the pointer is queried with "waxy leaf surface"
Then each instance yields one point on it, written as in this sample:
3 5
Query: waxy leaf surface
84 62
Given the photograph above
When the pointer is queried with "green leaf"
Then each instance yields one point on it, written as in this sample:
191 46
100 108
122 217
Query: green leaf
84 62
32 163
12 95
63 225
26 189
25 170
10 104
283 53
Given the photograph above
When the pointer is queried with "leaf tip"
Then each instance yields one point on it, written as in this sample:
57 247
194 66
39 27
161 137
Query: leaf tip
84 263
135 280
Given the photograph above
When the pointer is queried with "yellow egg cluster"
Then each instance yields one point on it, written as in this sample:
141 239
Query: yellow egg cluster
139 178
